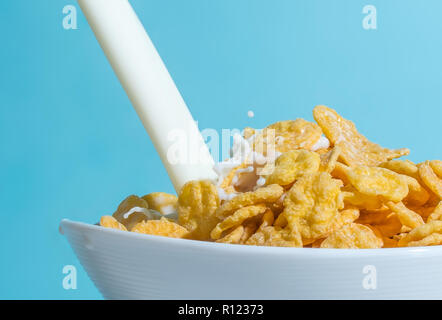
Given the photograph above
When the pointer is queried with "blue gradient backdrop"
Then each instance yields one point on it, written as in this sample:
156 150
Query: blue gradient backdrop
72 146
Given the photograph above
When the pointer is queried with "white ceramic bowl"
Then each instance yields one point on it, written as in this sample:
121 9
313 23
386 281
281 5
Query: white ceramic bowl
126 265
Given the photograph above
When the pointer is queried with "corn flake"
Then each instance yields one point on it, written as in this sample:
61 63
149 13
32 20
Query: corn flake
111 222
276 237
312 205
248 132
405 167
237 218
431 180
377 182
345 217
266 194
406 216
329 159
162 202
267 219
234 237
377 216
389 242
363 201
290 165
353 236
162 227
436 165
436 213
417 194
131 202
228 182
390 226
356 149
250 228
317 243
425 235
287 135
197 203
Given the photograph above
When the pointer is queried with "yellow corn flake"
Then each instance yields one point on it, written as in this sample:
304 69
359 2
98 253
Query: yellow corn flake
406 216
345 217
237 218
313 204
424 211
234 237
162 202
363 201
431 180
250 228
197 203
383 219
276 237
278 205
339 172
267 219
374 216
132 203
434 199
434 239
329 159
436 214
255 223
356 149
248 132
387 242
353 236
268 194
162 227
267 169
280 221
379 182
323 151
317 243
111 222
376 231
417 194
405 167
228 183
290 165
436 165
399 236
425 235
390 226
287 135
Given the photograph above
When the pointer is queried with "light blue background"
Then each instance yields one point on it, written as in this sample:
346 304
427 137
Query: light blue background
72 146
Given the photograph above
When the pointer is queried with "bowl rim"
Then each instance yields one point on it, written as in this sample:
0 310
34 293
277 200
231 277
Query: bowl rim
247 249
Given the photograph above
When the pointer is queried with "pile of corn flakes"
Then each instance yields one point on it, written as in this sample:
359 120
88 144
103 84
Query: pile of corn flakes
321 185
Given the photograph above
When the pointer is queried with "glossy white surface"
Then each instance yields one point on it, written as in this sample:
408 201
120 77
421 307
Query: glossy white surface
149 87
126 265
